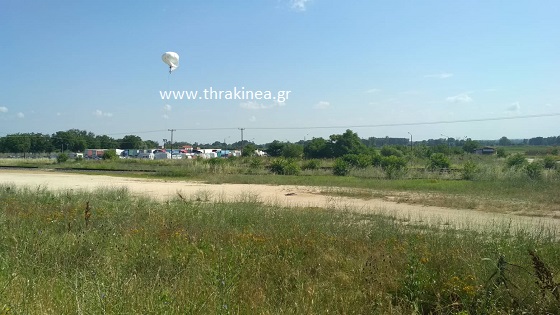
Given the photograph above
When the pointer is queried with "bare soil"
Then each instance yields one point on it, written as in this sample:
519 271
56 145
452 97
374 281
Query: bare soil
288 196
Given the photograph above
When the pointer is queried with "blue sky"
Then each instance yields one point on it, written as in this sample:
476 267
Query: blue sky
390 65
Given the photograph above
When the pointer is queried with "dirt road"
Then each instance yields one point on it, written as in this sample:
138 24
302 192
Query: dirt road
290 196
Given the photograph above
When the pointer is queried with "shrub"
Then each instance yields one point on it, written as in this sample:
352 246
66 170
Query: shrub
501 153
341 167
256 163
376 159
392 165
277 166
216 164
549 162
358 160
110 155
312 165
469 170
388 151
516 160
364 160
282 166
292 168
62 157
351 159
438 161
534 170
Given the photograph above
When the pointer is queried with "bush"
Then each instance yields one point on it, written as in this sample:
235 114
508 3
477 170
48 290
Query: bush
282 166
501 153
341 167
351 159
469 170
216 164
534 170
516 160
62 157
388 151
392 165
110 155
256 163
549 162
292 168
312 165
358 160
364 160
438 161
277 166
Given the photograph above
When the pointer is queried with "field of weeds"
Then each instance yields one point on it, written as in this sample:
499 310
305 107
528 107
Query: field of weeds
110 252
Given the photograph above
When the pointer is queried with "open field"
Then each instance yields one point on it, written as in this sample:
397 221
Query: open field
77 243
285 196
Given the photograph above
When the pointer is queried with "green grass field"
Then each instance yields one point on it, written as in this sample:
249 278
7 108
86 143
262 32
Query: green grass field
109 252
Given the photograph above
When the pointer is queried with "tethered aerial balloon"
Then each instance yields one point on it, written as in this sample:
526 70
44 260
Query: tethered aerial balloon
171 59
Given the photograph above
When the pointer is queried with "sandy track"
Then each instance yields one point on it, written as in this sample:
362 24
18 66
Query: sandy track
291 196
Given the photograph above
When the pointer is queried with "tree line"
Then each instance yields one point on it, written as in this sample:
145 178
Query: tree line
73 140
336 145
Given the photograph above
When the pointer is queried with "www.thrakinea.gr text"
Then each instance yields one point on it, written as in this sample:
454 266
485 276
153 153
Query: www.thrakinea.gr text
233 94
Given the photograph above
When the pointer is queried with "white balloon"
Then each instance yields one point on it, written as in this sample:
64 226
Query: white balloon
171 59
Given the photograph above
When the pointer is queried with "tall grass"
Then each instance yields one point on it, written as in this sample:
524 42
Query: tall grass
135 255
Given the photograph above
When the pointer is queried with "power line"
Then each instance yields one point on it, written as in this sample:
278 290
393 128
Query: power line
382 125
438 122
411 123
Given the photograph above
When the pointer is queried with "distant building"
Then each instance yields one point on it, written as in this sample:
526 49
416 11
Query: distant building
485 151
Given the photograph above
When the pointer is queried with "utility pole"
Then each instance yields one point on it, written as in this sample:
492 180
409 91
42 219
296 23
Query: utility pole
410 142
171 141
241 139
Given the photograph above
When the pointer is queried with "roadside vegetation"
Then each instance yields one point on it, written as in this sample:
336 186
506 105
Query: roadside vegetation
110 252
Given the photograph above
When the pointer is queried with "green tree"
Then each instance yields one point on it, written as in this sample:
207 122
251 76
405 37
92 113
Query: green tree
131 142
292 150
18 143
248 150
317 148
106 142
40 143
274 149
470 145
346 143
504 141
151 144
